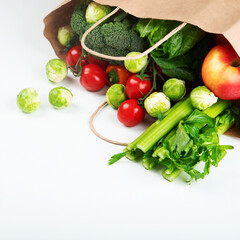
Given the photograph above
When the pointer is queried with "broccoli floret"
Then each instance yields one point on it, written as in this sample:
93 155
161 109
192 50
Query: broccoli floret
78 22
116 35
115 52
95 39
136 42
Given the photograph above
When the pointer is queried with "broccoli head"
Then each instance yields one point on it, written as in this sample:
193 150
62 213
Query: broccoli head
110 38
115 39
95 39
78 21
116 35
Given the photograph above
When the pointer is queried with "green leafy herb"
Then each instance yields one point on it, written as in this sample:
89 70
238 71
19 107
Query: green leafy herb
182 55
186 66
117 157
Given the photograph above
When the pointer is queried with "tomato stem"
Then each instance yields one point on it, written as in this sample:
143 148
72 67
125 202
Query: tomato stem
77 71
236 63
154 86
141 75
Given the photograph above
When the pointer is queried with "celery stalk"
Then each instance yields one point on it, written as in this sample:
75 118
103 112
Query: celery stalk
133 144
171 177
166 125
217 108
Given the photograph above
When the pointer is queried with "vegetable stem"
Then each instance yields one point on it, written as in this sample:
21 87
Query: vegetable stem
169 122
217 108
172 176
133 144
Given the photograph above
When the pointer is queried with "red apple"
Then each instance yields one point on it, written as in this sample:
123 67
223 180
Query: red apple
221 72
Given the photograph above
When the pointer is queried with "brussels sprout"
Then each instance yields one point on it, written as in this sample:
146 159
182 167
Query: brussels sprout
96 11
174 89
60 97
202 98
135 65
65 35
28 100
157 102
56 70
116 95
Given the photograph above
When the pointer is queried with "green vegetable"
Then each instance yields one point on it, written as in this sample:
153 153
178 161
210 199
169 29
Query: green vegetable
28 100
116 95
157 103
213 153
132 145
158 130
135 65
174 89
116 38
60 97
181 142
65 35
78 21
183 41
96 12
182 55
56 70
178 44
202 97
170 121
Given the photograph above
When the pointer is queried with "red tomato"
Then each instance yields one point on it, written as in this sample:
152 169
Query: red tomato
93 77
137 88
130 113
100 62
73 56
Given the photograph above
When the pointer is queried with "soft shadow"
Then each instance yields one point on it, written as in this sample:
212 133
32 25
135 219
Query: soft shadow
102 92
72 81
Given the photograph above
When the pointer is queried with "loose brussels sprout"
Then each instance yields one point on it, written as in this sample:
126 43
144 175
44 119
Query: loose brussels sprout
65 35
60 97
56 70
157 102
116 95
174 89
136 65
202 98
96 11
28 100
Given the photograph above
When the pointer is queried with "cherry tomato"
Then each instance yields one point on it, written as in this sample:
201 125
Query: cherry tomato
100 62
130 113
137 88
117 74
93 77
73 57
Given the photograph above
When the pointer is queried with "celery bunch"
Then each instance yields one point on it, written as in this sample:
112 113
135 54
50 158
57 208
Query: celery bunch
184 138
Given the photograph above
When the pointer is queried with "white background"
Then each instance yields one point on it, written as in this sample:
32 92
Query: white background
55 183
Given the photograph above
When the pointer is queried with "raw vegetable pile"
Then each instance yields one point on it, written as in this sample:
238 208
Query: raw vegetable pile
181 83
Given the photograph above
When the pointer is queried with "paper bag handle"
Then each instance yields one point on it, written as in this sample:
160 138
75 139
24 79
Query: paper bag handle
146 52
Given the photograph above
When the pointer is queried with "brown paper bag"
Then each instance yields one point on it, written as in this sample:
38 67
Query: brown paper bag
215 16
